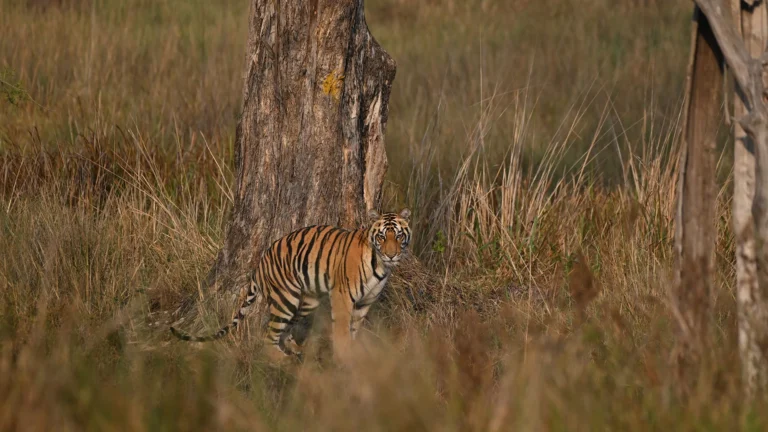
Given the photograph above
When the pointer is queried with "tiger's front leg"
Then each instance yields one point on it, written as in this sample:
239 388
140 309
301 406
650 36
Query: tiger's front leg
360 310
341 316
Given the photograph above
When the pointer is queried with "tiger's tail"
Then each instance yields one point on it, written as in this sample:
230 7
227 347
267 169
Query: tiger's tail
254 294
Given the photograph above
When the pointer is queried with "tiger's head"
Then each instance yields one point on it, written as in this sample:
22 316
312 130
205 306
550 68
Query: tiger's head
389 235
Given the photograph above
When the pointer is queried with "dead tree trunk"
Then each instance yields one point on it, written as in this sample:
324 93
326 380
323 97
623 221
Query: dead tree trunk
695 231
746 60
310 142
752 24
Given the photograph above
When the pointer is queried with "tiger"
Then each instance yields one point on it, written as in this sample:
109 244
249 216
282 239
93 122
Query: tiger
351 266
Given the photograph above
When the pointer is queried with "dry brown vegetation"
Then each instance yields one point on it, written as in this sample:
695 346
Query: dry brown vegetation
536 143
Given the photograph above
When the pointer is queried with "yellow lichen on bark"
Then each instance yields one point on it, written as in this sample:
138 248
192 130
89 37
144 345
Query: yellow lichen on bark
332 84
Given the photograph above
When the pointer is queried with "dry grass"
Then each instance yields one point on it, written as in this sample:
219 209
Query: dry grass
535 141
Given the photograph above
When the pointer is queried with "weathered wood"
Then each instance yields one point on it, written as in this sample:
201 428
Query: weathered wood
310 143
746 59
695 230
752 312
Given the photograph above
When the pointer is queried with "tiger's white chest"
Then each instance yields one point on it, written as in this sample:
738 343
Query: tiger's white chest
374 286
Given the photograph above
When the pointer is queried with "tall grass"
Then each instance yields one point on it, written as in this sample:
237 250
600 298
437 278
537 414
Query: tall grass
536 143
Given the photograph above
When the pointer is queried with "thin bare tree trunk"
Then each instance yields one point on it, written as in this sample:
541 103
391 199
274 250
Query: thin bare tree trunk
751 302
695 230
746 59
310 143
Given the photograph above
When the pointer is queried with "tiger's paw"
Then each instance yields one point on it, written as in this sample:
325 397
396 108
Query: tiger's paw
276 355
293 348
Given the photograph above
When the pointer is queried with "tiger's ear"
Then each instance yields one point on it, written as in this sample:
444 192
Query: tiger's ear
373 216
405 214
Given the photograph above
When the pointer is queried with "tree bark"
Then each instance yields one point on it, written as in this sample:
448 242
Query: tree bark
310 142
695 230
752 313
746 60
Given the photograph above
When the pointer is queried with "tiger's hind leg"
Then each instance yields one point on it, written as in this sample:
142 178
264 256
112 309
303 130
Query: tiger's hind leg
282 311
295 339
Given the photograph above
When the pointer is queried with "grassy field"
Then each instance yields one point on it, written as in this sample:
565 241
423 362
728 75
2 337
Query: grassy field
535 142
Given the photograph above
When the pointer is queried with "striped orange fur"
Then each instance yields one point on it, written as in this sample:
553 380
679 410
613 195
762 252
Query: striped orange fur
352 267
